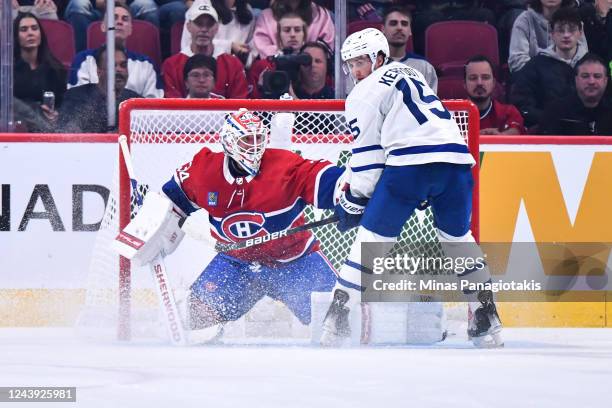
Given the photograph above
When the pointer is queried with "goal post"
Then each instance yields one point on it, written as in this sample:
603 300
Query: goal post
165 133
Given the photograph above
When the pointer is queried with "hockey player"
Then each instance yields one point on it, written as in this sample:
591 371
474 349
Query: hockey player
245 192
407 150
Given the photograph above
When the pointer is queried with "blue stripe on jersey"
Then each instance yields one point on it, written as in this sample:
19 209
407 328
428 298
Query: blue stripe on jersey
368 167
282 221
441 148
348 284
327 184
77 61
359 267
367 148
178 197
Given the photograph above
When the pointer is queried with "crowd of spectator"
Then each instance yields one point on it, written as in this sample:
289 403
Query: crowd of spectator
550 73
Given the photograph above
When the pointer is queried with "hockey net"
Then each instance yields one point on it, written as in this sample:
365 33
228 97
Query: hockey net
163 135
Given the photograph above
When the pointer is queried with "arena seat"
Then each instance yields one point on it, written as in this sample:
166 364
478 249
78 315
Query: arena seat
60 38
144 39
448 44
176 31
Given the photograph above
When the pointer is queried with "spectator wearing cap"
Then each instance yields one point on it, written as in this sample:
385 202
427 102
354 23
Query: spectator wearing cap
318 20
586 111
199 75
203 23
397 28
144 78
235 35
84 108
496 118
550 74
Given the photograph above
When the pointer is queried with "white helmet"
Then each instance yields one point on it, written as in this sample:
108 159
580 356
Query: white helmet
365 42
244 138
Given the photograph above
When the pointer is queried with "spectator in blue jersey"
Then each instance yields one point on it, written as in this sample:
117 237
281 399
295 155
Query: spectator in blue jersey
144 78
84 108
397 28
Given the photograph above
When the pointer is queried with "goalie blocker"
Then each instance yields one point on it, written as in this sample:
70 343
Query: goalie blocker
154 230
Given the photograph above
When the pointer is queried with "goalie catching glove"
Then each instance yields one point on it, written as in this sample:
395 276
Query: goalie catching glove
155 229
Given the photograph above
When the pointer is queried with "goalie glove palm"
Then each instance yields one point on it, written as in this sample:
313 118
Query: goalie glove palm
349 210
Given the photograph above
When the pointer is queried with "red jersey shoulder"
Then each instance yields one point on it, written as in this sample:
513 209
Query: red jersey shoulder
201 161
285 158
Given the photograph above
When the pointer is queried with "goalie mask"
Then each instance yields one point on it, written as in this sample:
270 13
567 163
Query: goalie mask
244 138
367 42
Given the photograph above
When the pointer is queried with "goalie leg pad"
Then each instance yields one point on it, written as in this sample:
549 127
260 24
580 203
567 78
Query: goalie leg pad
422 321
155 229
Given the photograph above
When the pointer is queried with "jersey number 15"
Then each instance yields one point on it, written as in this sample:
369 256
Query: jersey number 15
404 87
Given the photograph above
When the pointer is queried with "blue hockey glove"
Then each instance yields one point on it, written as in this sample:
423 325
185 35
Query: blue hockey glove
349 210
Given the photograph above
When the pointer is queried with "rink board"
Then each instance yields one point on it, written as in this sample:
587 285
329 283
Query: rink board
532 189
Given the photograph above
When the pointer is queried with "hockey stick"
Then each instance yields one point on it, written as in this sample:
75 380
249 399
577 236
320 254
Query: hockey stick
220 247
157 265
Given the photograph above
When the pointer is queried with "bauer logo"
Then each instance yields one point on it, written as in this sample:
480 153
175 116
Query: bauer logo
213 198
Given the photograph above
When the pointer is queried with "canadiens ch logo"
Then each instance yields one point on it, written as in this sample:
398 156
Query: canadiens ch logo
241 226
213 198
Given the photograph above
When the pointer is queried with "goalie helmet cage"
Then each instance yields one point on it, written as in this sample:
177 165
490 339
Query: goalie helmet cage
320 131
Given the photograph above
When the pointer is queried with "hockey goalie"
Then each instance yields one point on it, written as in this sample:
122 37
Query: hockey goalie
244 192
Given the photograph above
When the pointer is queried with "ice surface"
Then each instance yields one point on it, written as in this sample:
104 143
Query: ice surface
537 368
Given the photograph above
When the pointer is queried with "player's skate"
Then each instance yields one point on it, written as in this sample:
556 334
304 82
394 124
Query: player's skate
336 328
484 326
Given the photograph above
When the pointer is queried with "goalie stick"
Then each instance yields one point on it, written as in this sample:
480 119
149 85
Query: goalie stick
157 265
220 247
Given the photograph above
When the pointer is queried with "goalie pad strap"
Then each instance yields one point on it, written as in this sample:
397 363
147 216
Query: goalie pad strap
130 240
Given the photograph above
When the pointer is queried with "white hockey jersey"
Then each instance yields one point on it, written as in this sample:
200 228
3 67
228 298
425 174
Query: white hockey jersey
143 77
397 120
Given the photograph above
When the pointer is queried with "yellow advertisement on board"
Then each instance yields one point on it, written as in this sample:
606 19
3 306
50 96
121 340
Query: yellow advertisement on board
551 194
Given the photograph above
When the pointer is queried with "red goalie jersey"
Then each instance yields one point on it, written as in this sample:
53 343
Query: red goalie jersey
241 208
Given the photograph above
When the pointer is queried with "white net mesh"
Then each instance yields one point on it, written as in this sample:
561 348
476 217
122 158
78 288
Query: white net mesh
165 134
